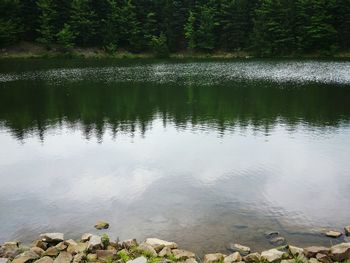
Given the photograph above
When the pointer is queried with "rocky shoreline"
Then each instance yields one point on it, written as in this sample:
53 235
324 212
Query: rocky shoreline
54 248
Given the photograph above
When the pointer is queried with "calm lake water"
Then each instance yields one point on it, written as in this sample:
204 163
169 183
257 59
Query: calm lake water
201 152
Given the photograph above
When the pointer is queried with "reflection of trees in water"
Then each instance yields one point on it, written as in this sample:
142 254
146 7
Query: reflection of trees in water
33 107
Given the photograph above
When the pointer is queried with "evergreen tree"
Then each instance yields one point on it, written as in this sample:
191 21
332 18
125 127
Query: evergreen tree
65 37
10 24
190 31
47 22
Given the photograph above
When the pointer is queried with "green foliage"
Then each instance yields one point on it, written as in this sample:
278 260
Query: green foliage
66 37
10 24
105 240
190 31
47 20
159 45
123 254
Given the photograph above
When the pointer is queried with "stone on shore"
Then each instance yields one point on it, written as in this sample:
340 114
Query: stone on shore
243 250
78 248
52 252
347 230
91 257
141 259
38 251
102 225
181 254
40 244
296 251
252 258
235 257
323 258
340 252
190 260
312 251
70 242
61 246
52 237
94 243
313 260
63 257
333 234
148 249
104 255
129 243
78 258
86 237
25 257
159 244
45 259
10 250
273 255
4 260
213 258
165 252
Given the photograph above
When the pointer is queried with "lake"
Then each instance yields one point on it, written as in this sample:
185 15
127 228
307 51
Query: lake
203 153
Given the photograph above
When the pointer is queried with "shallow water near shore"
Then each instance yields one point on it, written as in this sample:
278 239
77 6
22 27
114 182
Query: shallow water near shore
203 153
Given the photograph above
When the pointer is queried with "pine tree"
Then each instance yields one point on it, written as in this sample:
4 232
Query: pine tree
11 26
47 22
190 31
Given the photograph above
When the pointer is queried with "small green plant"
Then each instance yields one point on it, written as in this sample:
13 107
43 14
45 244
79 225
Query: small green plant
105 240
171 257
160 46
155 259
66 37
123 254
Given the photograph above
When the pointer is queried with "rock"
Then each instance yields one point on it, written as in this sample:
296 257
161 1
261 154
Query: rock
146 248
323 258
271 234
40 244
91 257
10 250
278 241
129 243
95 242
166 251
78 248
52 252
347 230
86 237
52 237
4 260
313 260
141 259
296 251
273 255
181 254
235 257
158 244
252 258
213 258
340 252
78 258
38 251
61 246
101 225
333 234
190 260
243 250
63 257
104 255
70 242
44 260
25 257
288 261
312 251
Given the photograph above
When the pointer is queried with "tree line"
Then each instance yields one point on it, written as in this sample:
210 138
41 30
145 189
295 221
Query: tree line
266 27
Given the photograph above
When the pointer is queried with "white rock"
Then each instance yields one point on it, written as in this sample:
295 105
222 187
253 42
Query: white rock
86 237
138 260
95 242
4 260
52 237
340 252
158 244
235 257
182 254
295 251
272 255
166 251
212 258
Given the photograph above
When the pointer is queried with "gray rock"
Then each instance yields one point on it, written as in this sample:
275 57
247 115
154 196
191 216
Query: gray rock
104 255
340 252
95 242
141 259
278 241
271 234
213 258
44 260
235 257
63 257
323 258
243 250
181 254
347 230
4 260
166 251
296 251
129 243
10 250
146 248
159 244
252 258
52 237
273 255
25 257
78 248
102 225
312 251
333 233
86 237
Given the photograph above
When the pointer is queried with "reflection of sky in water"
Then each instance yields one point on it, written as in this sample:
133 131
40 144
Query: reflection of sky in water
186 184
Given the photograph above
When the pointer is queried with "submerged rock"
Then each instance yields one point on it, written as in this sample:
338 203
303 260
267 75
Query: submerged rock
278 241
181 254
234 257
102 225
273 255
243 250
63 257
333 234
159 244
340 252
213 258
52 237
141 259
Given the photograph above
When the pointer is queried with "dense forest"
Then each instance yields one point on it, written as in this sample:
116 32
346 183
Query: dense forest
265 27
